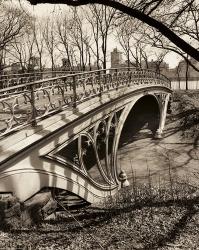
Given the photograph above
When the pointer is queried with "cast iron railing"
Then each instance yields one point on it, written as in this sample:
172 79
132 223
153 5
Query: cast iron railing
26 103
10 80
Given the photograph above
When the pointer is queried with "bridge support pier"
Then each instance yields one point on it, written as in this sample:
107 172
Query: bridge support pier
159 132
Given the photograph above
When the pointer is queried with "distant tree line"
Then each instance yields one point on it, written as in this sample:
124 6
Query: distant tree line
81 35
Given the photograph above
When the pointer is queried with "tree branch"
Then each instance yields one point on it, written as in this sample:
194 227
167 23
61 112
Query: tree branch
159 26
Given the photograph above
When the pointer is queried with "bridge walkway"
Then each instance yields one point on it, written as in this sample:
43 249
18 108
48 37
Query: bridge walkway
58 125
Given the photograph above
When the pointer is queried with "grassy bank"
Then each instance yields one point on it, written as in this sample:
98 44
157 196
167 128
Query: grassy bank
185 108
139 217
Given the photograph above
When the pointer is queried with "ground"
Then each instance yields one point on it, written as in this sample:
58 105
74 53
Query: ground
173 156
159 210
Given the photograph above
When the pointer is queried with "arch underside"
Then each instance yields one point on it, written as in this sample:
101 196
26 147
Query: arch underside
84 161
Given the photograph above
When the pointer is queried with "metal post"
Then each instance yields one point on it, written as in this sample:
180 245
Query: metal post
140 76
32 100
74 92
105 77
129 77
116 79
100 84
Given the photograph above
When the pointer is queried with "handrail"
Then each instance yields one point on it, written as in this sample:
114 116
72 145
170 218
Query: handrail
26 103
78 74
16 79
36 73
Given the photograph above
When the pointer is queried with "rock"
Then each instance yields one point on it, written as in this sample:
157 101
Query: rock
33 211
10 211
15 210
195 195
49 208
37 208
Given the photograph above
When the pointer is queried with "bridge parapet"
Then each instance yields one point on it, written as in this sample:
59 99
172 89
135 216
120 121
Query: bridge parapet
27 103
10 80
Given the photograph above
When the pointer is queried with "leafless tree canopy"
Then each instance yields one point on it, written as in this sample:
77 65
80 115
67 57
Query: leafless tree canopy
159 14
13 21
80 36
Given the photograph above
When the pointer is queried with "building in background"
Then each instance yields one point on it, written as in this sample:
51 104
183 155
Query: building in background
66 64
183 76
116 58
34 63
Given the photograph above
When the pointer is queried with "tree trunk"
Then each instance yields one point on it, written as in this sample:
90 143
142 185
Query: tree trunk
158 25
187 73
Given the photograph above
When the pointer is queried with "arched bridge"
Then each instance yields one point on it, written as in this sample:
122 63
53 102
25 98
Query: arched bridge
64 132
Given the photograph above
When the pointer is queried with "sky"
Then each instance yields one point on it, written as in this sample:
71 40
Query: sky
42 10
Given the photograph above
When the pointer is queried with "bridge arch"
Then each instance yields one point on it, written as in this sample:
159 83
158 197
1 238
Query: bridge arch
85 111
141 111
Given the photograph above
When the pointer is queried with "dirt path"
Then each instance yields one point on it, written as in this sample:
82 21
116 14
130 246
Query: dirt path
170 156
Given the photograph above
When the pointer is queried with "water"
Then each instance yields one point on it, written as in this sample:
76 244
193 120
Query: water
182 85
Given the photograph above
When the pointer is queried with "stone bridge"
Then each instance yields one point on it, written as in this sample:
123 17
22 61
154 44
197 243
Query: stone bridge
64 132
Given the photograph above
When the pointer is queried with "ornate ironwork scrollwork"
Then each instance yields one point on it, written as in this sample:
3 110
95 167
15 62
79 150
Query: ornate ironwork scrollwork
43 97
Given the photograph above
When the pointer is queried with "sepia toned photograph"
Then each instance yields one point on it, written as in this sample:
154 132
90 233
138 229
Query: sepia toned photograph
99 124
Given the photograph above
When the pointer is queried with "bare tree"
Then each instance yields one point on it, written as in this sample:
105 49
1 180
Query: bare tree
94 23
124 36
178 73
64 26
133 43
143 11
50 40
80 38
37 29
101 20
181 18
12 22
22 51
